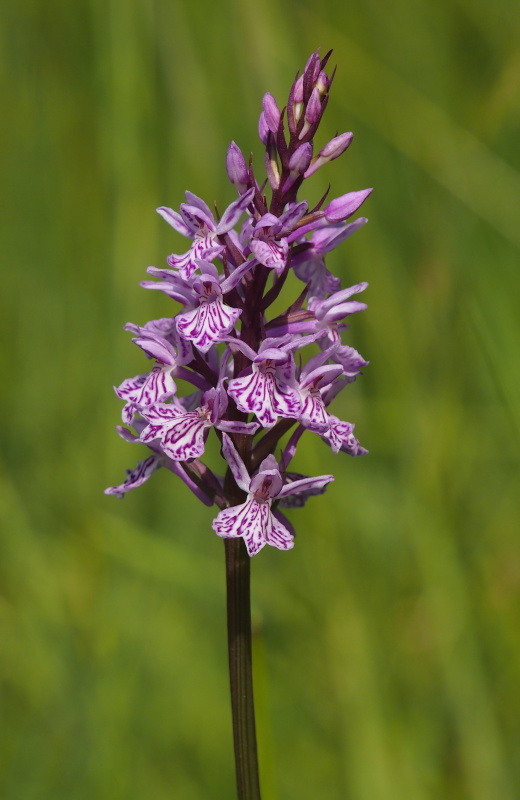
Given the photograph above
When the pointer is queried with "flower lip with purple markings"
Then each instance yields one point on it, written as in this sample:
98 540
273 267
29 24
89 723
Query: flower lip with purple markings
253 520
252 375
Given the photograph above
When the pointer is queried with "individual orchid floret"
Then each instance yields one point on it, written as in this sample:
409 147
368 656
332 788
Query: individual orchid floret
198 222
165 328
183 434
333 149
253 520
334 308
270 389
211 319
236 168
269 243
158 384
145 469
313 414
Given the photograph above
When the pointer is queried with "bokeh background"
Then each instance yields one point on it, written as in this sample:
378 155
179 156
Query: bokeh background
387 643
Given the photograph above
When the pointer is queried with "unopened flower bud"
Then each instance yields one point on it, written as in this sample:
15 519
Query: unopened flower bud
271 170
298 90
323 83
313 110
263 130
271 111
236 167
312 67
298 163
332 150
301 158
343 207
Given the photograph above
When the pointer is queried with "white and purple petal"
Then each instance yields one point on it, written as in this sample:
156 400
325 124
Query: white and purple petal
270 253
177 222
137 476
207 324
254 394
277 535
234 211
249 520
184 438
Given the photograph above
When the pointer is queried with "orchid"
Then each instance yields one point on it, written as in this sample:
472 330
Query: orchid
253 520
246 369
255 377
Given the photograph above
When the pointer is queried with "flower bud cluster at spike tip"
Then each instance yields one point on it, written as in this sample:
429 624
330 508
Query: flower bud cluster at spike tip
253 377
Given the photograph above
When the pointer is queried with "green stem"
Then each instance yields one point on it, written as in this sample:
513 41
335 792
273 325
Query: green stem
240 668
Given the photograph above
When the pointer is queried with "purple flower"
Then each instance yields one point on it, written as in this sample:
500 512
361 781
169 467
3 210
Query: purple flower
211 320
309 262
144 469
244 362
253 520
313 413
270 390
158 384
198 223
335 308
182 433
269 243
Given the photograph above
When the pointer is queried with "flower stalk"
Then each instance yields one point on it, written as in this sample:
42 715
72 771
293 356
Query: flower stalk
238 567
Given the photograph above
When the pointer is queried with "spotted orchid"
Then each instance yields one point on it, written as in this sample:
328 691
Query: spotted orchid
252 376
254 519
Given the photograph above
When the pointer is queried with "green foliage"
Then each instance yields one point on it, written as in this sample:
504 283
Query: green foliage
387 644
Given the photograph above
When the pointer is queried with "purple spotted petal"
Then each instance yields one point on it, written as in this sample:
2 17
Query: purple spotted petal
278 536
234 211
314 414
176 221
208 323
158 386
162 413
185 437
260 394
270 253
198 217
249 520
136 477
157 347
146 389
202 248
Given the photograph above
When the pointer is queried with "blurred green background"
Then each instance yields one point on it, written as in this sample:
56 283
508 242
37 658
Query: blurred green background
387 647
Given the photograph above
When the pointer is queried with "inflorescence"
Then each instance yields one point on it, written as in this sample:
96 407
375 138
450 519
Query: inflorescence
249 381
